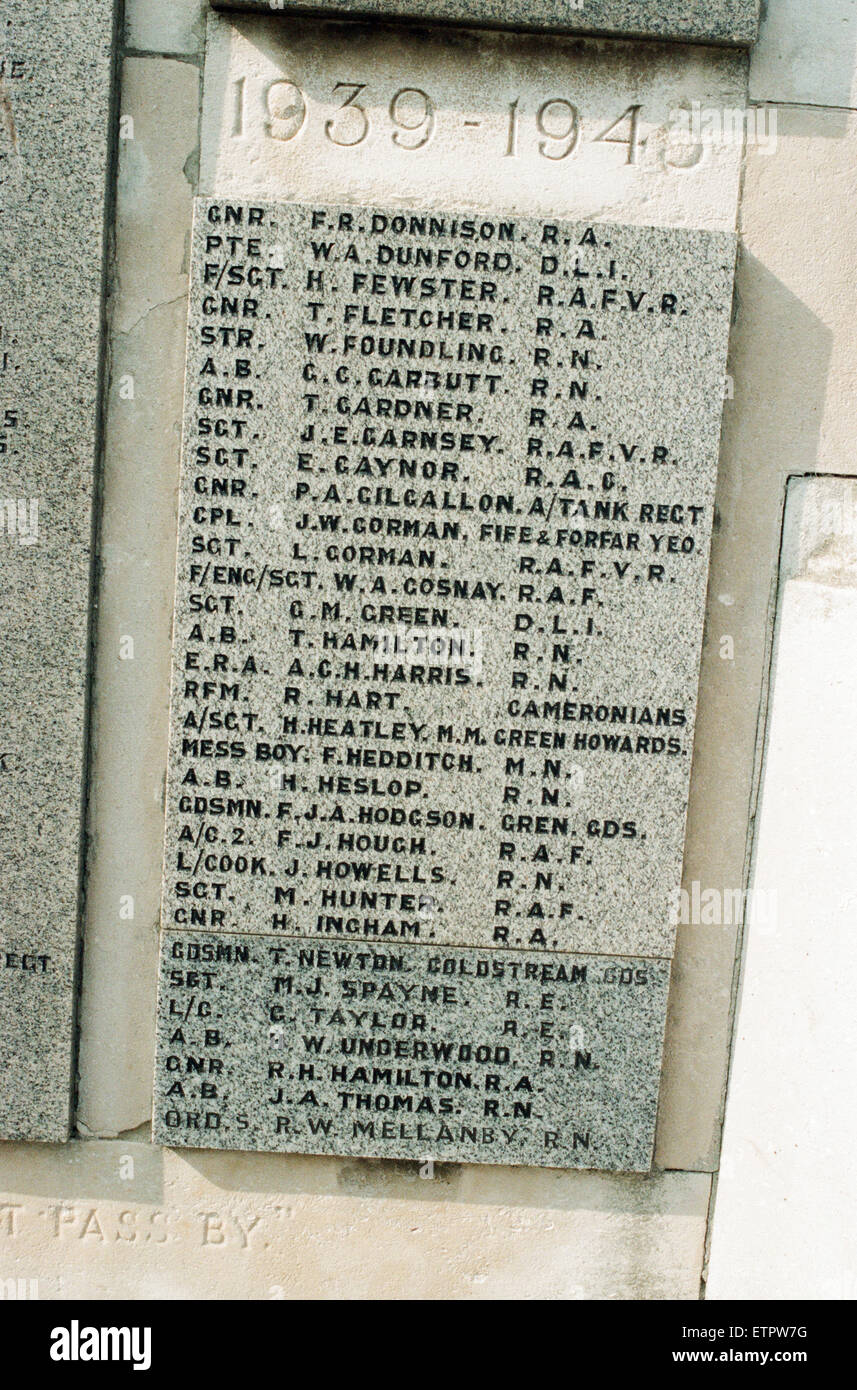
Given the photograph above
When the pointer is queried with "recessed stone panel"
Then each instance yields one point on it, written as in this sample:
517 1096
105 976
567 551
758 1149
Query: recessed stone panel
297 107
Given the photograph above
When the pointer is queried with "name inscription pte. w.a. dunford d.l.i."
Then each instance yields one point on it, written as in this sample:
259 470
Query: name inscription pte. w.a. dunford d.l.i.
447 497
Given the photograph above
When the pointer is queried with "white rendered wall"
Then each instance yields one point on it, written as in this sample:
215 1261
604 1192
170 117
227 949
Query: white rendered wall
785 1214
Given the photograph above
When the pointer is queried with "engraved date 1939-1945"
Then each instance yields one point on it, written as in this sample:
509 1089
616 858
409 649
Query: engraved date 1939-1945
555 129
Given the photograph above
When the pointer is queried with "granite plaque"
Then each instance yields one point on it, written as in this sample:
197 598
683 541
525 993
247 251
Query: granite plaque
55 78
712 21
447 497
483 1056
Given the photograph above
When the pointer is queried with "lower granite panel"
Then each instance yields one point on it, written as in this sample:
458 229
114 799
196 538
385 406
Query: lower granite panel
399 1051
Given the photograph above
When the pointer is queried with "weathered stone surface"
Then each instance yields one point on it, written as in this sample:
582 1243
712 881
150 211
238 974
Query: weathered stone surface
165 26
806 54
515 122
126 1219
333 739
785 1215
54 101
720 21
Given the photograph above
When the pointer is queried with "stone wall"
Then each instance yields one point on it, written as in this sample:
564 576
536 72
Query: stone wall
108 1214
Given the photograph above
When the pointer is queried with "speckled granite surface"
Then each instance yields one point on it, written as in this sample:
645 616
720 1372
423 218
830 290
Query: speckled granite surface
55 63
400 1052
722 21
400 426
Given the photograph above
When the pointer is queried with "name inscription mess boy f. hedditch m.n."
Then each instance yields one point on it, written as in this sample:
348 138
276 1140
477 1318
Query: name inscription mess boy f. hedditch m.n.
446 506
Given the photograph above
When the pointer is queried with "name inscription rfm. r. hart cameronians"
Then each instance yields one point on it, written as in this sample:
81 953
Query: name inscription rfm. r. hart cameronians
446 506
